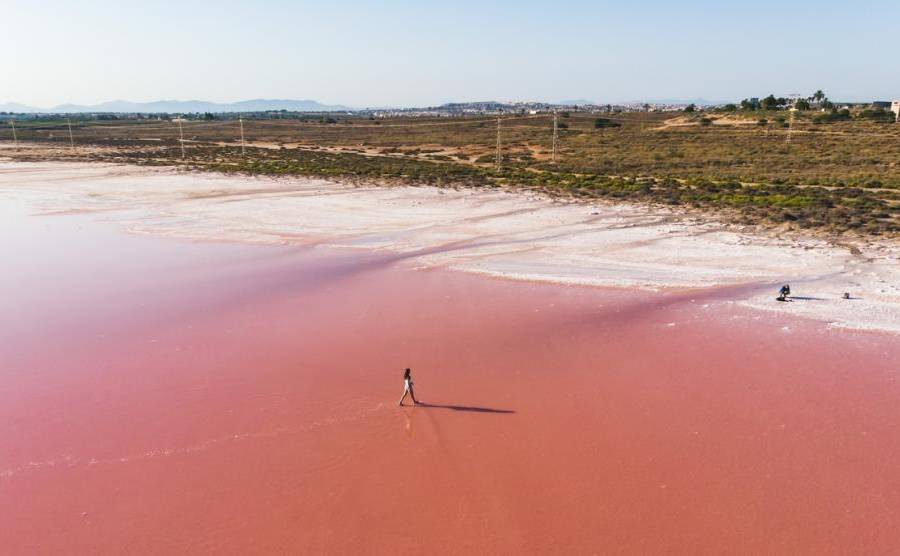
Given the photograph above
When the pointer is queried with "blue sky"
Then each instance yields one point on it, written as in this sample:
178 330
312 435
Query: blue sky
367 53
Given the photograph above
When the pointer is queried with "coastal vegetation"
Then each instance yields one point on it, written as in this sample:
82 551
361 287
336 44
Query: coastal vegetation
832 170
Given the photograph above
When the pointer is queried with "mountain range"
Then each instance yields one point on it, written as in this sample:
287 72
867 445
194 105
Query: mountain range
180 106
254 105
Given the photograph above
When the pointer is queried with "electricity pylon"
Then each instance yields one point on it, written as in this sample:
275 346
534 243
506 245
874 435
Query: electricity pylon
498 142
243 152
555 136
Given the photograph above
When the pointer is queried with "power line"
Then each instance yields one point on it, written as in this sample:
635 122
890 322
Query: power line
453 122
276 125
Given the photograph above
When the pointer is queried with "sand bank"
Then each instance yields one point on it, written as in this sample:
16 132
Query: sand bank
514 235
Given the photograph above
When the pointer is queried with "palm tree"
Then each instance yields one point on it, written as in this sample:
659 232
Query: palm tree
818 96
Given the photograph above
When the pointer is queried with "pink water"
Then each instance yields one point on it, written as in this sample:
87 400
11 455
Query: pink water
162 396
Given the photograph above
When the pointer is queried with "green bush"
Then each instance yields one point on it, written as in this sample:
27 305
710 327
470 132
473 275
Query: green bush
601 123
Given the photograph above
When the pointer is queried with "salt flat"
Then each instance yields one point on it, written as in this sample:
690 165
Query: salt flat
510 234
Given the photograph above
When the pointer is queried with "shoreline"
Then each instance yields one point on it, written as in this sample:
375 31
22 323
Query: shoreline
243 397
789 209
510 235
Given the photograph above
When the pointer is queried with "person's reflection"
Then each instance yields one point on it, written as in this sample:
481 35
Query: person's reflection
409 429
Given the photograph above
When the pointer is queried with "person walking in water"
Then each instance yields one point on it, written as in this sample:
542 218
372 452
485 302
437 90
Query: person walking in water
408 387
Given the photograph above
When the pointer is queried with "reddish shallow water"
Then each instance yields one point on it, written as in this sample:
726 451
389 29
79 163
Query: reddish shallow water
159 396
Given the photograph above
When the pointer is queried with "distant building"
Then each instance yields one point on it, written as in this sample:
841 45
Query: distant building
895 108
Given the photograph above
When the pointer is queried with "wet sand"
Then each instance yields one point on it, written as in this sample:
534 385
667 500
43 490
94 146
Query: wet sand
167 396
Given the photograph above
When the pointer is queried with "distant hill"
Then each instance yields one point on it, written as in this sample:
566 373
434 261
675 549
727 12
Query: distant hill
182 106
15 107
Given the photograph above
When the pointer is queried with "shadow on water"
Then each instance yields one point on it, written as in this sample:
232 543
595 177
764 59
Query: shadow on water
464 408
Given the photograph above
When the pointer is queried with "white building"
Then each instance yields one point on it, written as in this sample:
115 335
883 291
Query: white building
895 108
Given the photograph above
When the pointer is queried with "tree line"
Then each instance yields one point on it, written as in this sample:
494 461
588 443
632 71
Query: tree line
816 100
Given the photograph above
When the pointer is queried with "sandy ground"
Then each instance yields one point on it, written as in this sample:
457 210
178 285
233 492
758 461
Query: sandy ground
513 235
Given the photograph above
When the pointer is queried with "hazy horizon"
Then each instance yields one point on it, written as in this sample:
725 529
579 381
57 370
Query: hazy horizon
333 106
363 54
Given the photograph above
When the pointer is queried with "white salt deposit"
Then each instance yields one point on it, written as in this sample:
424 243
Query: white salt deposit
515 235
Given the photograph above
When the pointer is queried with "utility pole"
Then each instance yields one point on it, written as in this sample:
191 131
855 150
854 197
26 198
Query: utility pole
181 135
555 135
71 139
790 126
15 138
243 152
498 142
793 111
